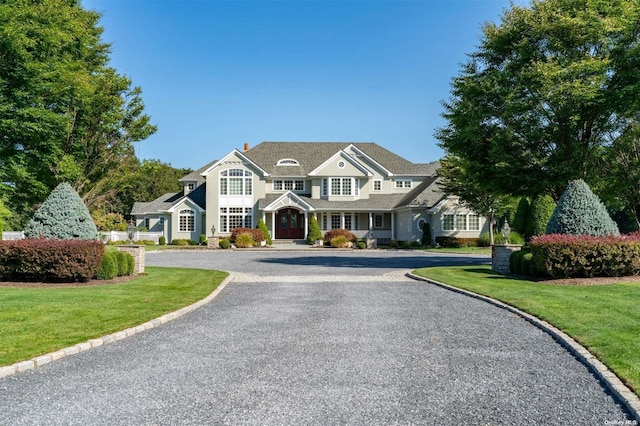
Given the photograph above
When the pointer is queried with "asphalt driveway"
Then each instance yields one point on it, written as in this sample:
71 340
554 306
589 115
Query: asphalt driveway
319 338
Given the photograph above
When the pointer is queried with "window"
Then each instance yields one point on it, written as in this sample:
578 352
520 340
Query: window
341 186
378 221
474 222
347 221
287 162
162 220
335 221
377 185
235 217
461 222
236 182
191 186
187 221
324 221
447 222
146 223
288 185
403 183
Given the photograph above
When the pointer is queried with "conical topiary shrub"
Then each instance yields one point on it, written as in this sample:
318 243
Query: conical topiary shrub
520 218
64 216
540 212
314 234
580 212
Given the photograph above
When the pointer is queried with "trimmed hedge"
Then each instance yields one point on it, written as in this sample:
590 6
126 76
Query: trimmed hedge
456 242
224 243
109 267
121 261
568 256
183 242
49 260
255 234
334 233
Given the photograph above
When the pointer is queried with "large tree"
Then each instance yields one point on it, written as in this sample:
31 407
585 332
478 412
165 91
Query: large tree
65 115
548 90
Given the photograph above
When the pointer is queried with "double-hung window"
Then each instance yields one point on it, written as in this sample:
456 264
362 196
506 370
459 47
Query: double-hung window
403 183
288 185
235 217
340 186
236 182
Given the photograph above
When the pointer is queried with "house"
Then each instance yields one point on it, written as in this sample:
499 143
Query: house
362 187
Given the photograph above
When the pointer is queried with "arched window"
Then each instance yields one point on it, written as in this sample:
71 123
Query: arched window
236 182
187 220
287 162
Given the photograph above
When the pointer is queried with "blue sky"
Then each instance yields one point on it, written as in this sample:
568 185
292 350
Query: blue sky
217 74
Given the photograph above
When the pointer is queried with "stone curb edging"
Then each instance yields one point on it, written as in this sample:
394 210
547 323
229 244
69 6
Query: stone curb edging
612 382
38 361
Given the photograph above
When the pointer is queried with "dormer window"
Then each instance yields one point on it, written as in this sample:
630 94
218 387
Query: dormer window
287 162
191 186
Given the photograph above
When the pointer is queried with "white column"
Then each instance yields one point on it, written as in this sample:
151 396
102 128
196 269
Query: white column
306 224
273 225
393 226
342 220
370 220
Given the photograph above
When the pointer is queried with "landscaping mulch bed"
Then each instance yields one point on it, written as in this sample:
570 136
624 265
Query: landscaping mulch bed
592 281
90 283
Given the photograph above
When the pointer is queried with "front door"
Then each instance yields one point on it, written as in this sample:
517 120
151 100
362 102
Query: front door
289 224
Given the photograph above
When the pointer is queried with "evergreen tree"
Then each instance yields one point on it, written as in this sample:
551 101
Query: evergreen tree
540 212
63 215
265 231
314 231
426 235
520 218
580 212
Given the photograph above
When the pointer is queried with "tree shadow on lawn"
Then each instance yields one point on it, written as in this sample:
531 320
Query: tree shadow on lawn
396 262
488 273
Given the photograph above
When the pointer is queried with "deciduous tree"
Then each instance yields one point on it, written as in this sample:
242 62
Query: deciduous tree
65 115
547 91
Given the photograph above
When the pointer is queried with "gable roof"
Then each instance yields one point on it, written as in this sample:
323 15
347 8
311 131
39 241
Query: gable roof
196 175
427 194
310 155
170 199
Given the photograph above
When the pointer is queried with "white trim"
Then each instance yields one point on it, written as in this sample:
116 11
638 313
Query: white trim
277 204
229 155
360 152
344 156
185 200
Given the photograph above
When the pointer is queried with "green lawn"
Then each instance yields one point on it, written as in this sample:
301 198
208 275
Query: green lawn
603 318
35 321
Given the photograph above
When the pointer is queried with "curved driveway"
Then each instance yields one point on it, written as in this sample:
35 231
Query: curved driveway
319 338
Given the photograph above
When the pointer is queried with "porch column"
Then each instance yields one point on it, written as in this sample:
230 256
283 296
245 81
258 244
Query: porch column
306 224
370 220
342 220
393 226
273 225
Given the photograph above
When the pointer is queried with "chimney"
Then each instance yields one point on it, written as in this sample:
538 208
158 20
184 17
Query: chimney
246 146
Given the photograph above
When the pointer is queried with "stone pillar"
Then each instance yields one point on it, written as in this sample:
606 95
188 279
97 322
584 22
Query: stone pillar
500 254
212 242
138 257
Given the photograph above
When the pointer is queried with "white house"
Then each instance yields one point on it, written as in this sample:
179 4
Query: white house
362 187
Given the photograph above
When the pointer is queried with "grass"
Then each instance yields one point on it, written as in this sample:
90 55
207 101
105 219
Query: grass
35 321
459 250
603 318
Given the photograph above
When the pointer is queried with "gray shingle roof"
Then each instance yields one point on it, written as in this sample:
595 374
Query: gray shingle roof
195 176
311 155
427 194
167 201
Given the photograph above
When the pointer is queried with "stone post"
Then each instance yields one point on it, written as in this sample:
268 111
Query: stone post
500 254
138 257
212 242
